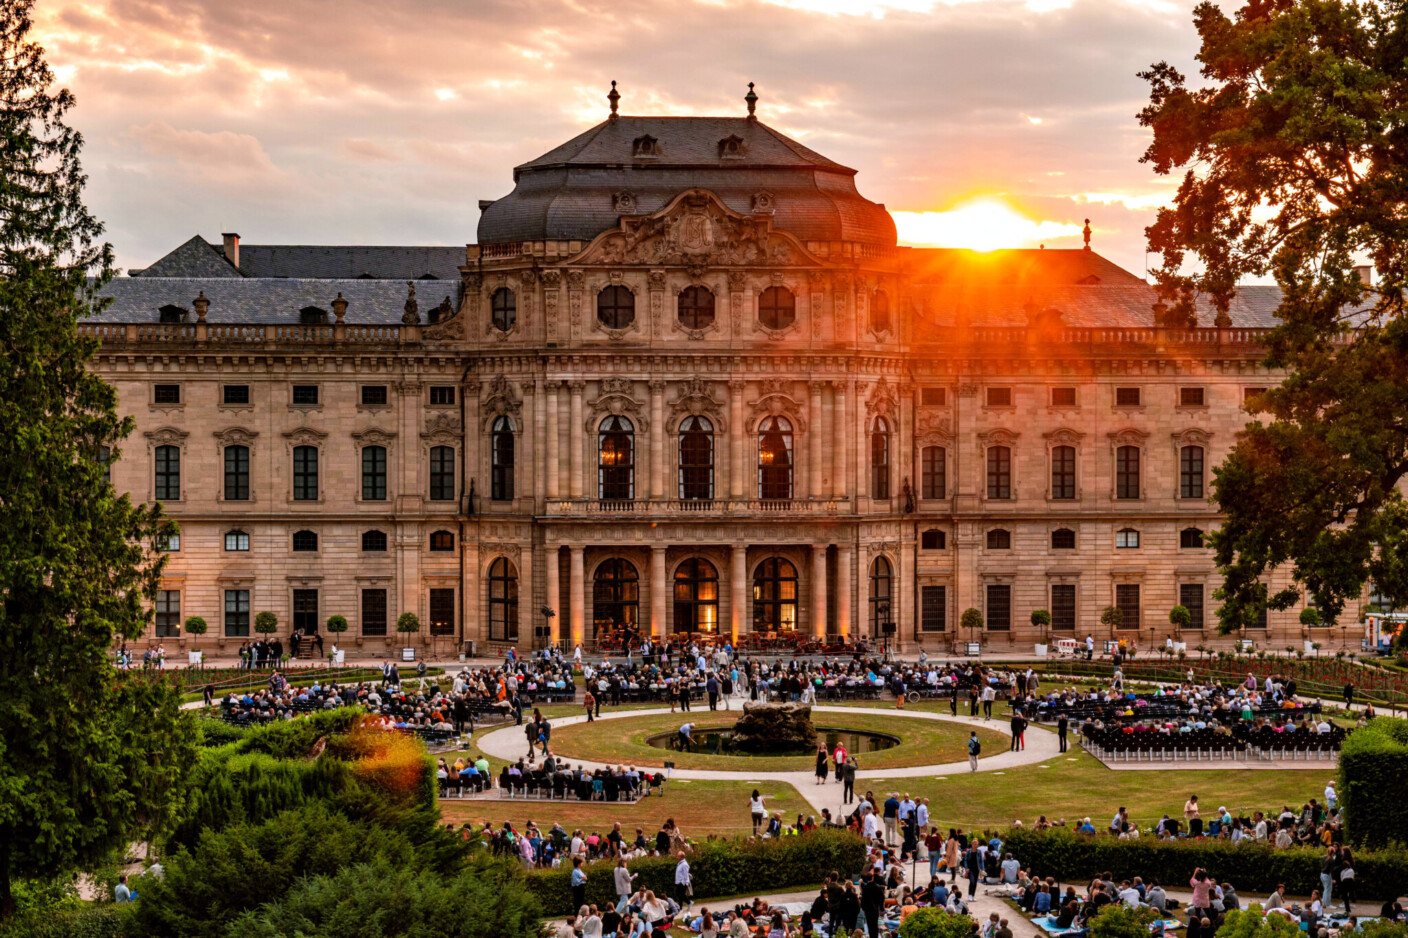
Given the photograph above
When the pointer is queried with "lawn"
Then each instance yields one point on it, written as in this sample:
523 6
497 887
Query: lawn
623 740
1075 784
701 809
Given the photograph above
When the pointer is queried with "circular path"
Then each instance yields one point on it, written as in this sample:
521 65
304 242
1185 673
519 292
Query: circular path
508 743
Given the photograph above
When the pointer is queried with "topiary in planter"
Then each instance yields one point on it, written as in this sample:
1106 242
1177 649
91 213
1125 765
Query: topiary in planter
1180 618
266 623
1310 617
972 620
196 626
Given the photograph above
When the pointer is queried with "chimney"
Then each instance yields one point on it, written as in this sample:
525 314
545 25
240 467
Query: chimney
232 248
1365 273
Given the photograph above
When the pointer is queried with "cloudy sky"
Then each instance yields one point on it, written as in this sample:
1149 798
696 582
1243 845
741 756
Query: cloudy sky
311 121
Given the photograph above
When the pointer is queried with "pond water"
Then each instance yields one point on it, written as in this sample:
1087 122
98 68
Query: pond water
719 742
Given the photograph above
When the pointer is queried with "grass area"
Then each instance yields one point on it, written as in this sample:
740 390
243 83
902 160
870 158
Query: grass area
1075 784
624 740
700 808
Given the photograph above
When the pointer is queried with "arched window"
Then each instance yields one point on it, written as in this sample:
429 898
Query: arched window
503 601
1063 472
696 597
441 541
1127 472
168 473
503 308
1127 538
1190 472
236 473
881 613
999 472
774 595
999 539
880 312
236 540
442 473
932 539
1190 539
305 540
777 308
374 473
1063 539
880 458
616 472
696 458
696 307
934 473
305 473
615 307
501 458
615 597
775 458
374 541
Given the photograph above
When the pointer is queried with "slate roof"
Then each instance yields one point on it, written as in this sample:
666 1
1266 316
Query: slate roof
569 192
199 258
194 258
269 301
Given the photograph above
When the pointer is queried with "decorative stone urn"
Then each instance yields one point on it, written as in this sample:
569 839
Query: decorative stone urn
774 728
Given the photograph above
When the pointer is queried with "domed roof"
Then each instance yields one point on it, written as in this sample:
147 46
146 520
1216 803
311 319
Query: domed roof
634 165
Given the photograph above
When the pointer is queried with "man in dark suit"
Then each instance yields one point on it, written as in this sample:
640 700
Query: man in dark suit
1062 724
872 900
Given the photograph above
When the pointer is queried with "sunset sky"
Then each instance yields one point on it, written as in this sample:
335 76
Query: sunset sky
977 122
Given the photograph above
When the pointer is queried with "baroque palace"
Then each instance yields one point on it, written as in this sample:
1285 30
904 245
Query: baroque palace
685 381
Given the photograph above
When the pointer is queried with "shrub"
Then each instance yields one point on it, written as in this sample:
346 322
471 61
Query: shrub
408 622
1249 924
1120 921
936 923
972 620
196 626
1179 617
1041 618
719 868
104 920
1373 764
1309 616
1111 616
337 624
266 623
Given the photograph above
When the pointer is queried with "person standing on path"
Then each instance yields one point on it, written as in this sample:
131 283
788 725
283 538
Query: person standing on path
973 866
711 687
1062 725
589 701
848 781
953 703
1016 726
840 761
1349 695
989 695
975 748
821 765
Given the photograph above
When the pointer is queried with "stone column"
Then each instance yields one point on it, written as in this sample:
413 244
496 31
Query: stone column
577 588
533 417
657 438
814 431
828 430
527 609
736 476
553 599
819 590
574 481
738 582
473 439
843 591
554 440
658 588
840 444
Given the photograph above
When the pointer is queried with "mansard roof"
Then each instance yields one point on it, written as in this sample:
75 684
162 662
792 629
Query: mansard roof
195 257
269 301
199 258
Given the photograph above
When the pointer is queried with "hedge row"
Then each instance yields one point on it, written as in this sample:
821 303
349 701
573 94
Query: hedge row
91 921
1251 867
719 868
1373 765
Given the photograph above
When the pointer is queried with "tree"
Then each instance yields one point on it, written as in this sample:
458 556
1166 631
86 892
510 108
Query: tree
1041 619
1180 618
92 759
337 624
972 620
1310 617
266 623
1294 161
196 626
1111 616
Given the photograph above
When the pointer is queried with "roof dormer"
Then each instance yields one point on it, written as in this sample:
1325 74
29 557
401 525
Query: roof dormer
645 146
732 147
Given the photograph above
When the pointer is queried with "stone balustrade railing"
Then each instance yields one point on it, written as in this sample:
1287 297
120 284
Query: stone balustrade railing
688 506
246 334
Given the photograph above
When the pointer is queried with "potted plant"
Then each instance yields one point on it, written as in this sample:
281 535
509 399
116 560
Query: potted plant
1041 619
1310 618
336 625
1180 618
196 627
407 624
972 620
266 624
1111 617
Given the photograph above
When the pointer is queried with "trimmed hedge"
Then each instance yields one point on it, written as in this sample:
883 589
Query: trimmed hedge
1252 867
1373 765
98 920
719 868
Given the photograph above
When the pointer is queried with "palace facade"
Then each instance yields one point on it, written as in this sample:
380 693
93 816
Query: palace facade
685 381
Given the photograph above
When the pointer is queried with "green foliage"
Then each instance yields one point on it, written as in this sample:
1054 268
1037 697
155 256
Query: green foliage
80 921
1250 867
1119 921
1180 617
1041 618
216 732
408 622
1373 764
1246 923
1310 616
266 623
1297 110
972 620
719 868
337 624
936 923
1111 616
196 626
1382 929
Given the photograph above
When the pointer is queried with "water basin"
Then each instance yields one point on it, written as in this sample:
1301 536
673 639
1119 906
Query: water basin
718 741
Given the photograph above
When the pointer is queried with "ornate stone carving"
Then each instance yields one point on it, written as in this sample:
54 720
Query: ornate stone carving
775 399
882 401
373 436
576 279
488 553
1063 436
1129 436
305 436
552 279
764 202
528 276
614 397
696 398
931 429
500 402
998 437
411 316
443 427
1193 436
235 436
656 280
623 202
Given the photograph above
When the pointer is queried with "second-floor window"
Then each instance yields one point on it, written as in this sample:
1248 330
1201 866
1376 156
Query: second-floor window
933 481
999 472
373 473
616 471
305 473
696 307
1063 472
1190 472
168 474
504 309
696 458
501 455
236 473
777 308
1127 472
880 458
775 458
442 473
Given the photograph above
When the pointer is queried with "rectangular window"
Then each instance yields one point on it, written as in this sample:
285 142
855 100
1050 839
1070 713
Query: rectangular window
931 539
1063 397
1127 397
235 394
373 395
1190 539
1063 472
999 397
173 544
236 613
168 474
305 473
1190 472
1127 602
933 608
1127 538
442 394
305 394
168 613
442 473
373 612
236 473
1063 607
1260 619
305 611
1190 397
999 607
1190 597
373 473
166 394
442 612
999 472
236 540
933 397
934 481
1127 472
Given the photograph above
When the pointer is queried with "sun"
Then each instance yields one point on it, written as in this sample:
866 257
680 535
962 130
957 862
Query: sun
983 224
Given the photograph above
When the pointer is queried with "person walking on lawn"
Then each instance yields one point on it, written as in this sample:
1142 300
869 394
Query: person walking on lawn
684 894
